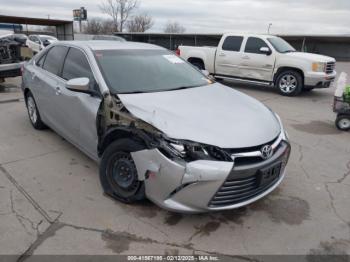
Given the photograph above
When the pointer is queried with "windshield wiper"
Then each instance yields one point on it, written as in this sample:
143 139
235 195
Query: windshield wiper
184 87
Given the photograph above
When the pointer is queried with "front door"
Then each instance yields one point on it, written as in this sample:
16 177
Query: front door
254 64
79 110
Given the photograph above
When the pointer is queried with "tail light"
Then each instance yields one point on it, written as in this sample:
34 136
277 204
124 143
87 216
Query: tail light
178 52
22 70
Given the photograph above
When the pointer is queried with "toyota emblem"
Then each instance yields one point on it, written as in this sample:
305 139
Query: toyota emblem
266 152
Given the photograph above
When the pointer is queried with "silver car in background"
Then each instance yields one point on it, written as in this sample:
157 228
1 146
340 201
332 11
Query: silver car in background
159 128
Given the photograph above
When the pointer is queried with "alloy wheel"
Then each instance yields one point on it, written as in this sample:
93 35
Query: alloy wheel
288 83
33 115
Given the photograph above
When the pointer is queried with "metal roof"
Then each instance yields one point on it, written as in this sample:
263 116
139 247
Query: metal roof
32 21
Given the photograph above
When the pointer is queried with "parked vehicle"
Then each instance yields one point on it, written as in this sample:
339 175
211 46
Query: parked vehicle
39 42
88 37
170 134
13 52
263 59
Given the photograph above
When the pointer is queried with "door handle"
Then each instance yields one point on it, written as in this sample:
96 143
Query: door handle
245 57
222 54
58 91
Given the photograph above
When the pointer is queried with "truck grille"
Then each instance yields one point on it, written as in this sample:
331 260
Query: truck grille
330 67
237 190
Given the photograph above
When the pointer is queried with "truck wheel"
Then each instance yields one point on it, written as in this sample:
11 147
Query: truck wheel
343 122
118 173
289 83
33 112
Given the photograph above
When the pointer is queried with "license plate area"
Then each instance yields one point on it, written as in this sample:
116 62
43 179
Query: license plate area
269 174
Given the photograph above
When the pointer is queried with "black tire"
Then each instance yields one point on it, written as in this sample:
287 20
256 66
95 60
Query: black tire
33 112
308 89
343 122
291 87
118 173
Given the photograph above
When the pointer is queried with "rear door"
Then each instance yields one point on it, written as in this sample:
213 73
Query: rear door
254 64
228 56
51 83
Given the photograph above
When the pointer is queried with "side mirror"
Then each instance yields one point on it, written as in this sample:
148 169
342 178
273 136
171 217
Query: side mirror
79 85
265 50
46 43
205 72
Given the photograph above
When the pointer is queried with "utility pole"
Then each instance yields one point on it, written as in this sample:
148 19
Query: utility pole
268 29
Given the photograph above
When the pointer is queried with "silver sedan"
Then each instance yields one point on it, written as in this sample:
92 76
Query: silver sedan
159 128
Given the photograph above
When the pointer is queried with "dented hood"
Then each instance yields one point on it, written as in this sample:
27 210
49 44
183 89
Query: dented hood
213 114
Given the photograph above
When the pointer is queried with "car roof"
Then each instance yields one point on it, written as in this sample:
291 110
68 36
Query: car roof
110 45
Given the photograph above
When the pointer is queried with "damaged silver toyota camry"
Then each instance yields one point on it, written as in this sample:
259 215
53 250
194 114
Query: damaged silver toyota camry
159 128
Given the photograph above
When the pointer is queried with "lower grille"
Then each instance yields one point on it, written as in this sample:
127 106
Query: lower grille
330 67
234 191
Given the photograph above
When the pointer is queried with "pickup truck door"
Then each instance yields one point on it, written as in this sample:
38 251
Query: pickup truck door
228 56
254 64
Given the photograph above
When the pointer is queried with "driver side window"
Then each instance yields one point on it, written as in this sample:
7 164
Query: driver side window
254 45
76 65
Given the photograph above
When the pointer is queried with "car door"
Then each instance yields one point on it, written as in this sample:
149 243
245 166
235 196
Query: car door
228 56
254 64
79 110
50 83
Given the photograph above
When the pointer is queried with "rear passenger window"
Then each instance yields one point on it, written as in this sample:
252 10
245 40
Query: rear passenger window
77 65
54 59
254 44
232 43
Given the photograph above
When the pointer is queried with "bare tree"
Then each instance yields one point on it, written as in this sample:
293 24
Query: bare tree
93 26
174 28
119 11
140 23
96 26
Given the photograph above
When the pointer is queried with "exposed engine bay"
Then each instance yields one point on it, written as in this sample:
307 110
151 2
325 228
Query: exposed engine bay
11 48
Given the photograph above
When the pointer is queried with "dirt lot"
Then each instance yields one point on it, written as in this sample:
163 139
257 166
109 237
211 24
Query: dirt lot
51 201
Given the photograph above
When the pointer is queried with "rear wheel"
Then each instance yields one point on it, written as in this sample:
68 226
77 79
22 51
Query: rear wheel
33 112
289 83
343 122
118 173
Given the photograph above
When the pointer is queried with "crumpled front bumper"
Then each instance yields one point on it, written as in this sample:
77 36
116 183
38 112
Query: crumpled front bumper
189 187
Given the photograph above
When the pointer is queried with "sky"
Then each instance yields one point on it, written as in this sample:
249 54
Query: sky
212 16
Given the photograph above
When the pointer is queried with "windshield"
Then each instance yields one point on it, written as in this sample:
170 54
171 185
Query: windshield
142 71
280 45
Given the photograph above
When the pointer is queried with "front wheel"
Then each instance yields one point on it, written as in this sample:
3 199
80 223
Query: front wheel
118 173
289 83
343 122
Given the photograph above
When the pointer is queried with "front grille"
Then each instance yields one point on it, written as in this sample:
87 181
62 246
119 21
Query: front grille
237 190
330 67
248 160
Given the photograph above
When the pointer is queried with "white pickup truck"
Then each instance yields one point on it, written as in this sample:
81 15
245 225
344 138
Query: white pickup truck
263 59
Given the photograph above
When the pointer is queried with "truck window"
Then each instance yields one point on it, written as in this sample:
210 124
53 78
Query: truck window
232 43
254 44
